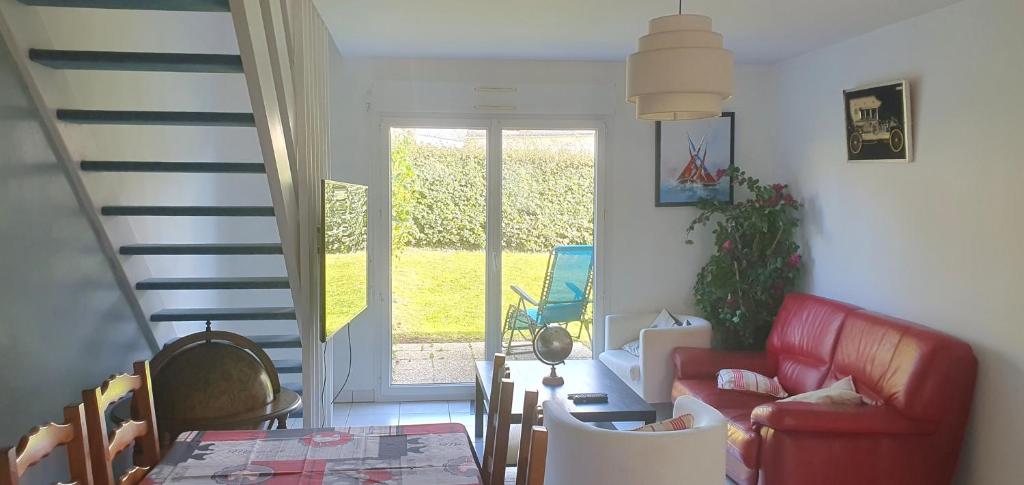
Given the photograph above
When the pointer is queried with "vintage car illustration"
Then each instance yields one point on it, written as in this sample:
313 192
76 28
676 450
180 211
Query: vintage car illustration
868 128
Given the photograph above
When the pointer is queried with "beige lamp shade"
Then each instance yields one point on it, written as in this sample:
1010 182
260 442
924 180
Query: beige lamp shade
680 72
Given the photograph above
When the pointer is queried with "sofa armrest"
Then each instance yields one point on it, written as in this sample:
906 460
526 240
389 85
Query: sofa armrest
656 346
619 330
830 418
697 363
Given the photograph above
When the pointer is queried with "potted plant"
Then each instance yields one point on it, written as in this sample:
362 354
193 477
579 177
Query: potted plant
756 261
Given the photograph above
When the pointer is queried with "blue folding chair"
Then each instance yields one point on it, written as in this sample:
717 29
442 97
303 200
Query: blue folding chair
563 299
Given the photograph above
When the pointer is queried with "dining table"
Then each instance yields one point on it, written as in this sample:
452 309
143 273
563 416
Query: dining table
420 454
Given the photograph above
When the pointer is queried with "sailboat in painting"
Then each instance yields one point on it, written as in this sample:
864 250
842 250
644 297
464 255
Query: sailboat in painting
696 172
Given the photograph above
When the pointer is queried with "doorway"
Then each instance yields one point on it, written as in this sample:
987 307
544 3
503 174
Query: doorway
476 210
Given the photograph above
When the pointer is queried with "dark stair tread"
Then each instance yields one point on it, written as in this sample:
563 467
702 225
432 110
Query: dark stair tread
265 342
288 366
201 249
170 5
233 283
184 211
136 61
222 314
173 118
173 167
277 341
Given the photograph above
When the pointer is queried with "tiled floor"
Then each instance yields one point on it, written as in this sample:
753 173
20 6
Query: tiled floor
409 412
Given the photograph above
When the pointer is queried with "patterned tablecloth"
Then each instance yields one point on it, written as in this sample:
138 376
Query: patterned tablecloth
427 454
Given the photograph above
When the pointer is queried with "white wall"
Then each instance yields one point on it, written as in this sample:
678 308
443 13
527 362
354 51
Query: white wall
65 325
645 263
937 241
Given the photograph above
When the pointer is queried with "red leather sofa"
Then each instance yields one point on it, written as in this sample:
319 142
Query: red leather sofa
921 383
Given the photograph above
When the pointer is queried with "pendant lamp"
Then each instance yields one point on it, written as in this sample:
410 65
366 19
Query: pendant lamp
681 71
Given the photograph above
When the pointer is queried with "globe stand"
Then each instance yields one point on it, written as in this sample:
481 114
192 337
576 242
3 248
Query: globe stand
553 379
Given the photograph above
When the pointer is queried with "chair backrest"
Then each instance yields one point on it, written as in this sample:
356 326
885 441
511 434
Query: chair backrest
498 372
567 283
538 456
530 415
41 441
494 464
140 430
575 447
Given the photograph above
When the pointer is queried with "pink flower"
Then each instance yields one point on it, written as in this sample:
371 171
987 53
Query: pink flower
789 200
720 173
774 201
778 188
727 246
794 260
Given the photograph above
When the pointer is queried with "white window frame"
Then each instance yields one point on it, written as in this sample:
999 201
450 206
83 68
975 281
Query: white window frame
380 229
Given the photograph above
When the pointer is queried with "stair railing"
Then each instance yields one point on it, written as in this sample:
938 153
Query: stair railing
285 47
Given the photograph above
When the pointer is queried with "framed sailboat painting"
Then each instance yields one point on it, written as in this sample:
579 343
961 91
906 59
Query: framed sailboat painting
691 158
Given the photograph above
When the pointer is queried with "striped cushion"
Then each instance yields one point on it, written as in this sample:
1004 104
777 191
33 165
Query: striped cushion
747 381
678 423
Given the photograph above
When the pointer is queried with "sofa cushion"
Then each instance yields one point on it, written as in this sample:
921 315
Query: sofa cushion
803 339
622 364
903 365
743 441
749 381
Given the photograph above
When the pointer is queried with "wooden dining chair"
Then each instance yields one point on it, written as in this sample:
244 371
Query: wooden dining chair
496 447
140 430
530 415
43 440
538 456
498 372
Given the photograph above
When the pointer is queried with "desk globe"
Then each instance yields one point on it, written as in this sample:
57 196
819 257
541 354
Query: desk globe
216 380
211 379
552 345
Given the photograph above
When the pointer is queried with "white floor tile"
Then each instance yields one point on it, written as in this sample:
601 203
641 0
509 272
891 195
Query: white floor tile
372 420
358 408
423 418
459 407
466 419
424 407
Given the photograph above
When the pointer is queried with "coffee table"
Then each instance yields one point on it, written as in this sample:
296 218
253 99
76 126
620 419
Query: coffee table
580 376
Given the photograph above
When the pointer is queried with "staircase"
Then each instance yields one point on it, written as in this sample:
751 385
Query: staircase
149 98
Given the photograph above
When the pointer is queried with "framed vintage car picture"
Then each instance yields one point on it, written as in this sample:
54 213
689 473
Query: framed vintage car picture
878 123
691 159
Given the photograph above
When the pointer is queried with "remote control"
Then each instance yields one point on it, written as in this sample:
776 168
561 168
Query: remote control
588 397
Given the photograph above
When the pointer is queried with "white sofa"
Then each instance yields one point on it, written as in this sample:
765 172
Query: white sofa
580 453
650 375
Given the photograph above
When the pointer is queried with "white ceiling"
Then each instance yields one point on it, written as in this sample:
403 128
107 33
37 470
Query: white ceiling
758 31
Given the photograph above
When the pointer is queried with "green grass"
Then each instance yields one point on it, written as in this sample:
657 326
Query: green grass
438 296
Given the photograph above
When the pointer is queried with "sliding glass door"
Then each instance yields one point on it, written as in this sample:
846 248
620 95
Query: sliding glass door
491 237
547 236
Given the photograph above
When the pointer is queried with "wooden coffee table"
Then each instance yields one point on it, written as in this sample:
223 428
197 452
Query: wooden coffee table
580 376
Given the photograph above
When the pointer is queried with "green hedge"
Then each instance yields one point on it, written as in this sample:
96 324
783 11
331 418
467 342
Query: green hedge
439 197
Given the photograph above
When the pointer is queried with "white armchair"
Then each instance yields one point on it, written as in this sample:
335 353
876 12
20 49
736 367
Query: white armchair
650 375
580 453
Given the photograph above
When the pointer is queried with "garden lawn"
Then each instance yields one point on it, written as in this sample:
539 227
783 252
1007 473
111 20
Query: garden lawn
439 295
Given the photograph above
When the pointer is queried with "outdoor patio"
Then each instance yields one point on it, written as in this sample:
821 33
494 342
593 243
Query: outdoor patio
430 363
